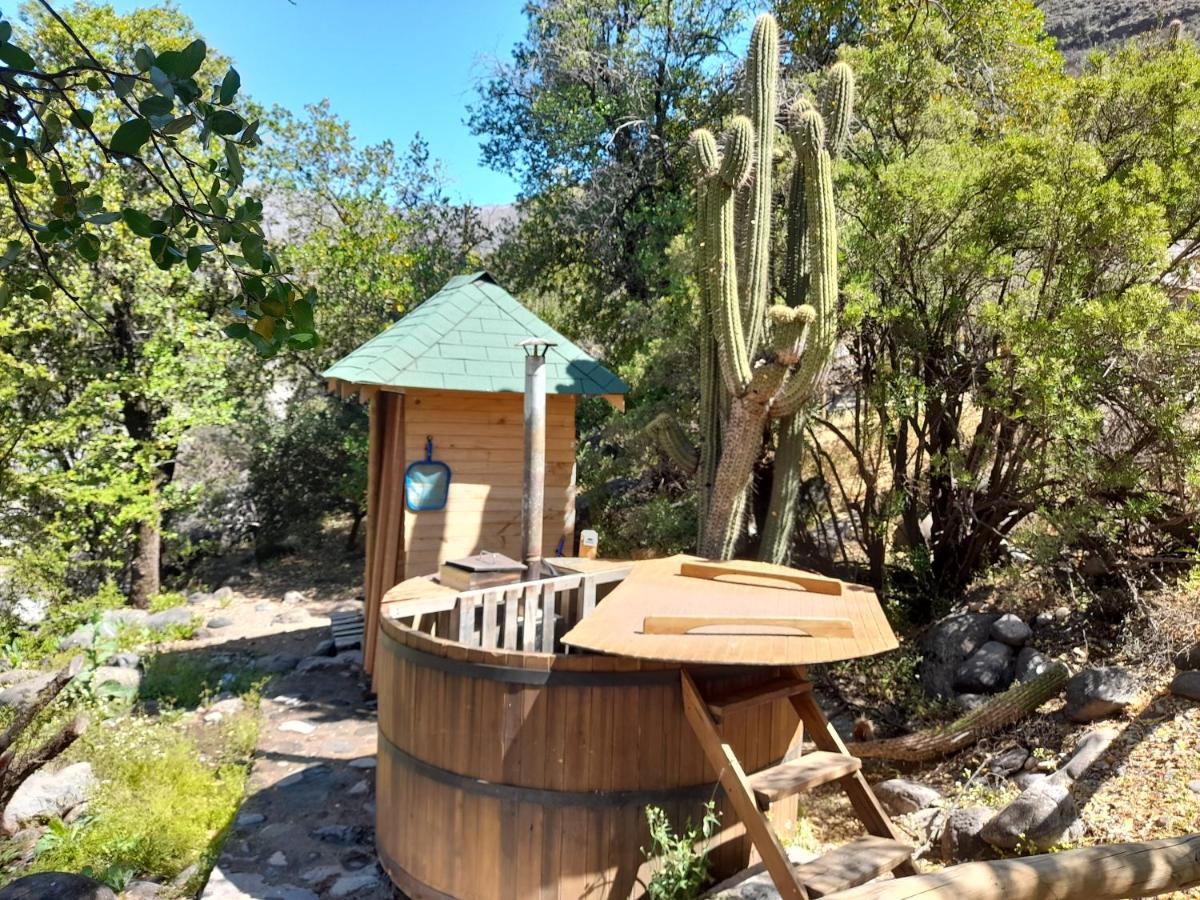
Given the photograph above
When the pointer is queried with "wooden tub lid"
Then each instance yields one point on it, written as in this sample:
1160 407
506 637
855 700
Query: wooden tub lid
688 610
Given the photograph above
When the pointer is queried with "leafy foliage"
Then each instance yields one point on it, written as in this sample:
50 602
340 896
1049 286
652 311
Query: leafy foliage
681 868
81 101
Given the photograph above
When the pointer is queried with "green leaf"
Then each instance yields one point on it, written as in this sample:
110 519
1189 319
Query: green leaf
237 330
106 218
123 84
88 246
183 123
139 223
302 341
252 249
20 173
143 58
225 121
156 106
183 63
162 82
302 312
40 292
130 137
5 31
14 56
229 86
235 164
160 251
11 252
82 118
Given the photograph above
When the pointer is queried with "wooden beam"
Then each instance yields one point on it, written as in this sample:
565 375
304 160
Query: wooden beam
793 626
817 584
616 401
1110 872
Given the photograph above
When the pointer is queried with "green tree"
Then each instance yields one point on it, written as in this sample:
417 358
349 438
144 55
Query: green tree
1016 351
114 367
592 115
84 93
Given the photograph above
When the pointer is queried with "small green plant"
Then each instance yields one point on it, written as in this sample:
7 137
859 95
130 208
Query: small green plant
680 860
115 876
60 833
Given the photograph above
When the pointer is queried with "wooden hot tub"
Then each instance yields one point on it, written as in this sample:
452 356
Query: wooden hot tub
506 771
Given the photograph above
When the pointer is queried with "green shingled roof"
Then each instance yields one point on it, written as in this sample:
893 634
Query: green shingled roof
465 338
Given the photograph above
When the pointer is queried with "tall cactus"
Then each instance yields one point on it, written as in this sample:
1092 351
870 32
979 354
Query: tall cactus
762 360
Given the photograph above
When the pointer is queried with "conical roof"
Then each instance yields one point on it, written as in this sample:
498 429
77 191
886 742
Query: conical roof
465 338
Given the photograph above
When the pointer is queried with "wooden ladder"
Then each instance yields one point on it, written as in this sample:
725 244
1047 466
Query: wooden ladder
880 850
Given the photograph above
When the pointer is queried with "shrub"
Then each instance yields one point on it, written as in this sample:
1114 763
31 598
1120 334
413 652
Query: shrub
680 860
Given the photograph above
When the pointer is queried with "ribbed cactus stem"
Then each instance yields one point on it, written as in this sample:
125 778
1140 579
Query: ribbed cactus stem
795 260
674 442
838 107
762 77
786 478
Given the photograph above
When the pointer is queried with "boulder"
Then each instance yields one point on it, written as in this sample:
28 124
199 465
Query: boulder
122 676
1188 659
900 797
197 597
960 834
124 617
1009 629
1087 751
126 660
220 622
1030 664
30 611
276 663
294 597
223 594
47 795
1043 816
79 639
56 886
1006 762
1025 780
23 692
340 663
1187 684
1044 619
947 644
986 671
1099 692
177 616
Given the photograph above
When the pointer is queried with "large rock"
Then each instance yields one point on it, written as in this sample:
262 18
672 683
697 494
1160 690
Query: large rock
21 693
1042 817
79 639
1030 664
1188 659
1087 751
947 644
177 616
121 676
1009 629
46 795
960 834
56 886
1186 684
986 671
1096 693
900 797
125 617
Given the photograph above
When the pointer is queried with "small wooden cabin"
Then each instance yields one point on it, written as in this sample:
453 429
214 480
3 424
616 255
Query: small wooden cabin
450 371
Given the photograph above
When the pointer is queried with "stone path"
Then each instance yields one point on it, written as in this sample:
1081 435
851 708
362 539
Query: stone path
306 828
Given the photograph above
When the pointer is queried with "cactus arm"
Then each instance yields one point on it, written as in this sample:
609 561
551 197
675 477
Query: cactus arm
735 163
782 513
671 439
795 260
809 137
762 77
838 107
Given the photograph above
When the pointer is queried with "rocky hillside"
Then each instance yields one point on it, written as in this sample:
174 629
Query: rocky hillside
1081 25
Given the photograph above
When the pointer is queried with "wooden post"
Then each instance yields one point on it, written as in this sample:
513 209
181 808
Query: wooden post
533 496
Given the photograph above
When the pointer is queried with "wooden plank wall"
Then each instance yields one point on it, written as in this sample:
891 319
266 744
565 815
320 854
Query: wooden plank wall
481 437
385 510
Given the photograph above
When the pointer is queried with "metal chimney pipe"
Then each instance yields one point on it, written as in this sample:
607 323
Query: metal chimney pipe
533 499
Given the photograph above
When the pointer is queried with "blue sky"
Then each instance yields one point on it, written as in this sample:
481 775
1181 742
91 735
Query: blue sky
390 68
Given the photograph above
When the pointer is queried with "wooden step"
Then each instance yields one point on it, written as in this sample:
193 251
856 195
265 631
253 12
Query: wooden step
766 692
852 864
800 774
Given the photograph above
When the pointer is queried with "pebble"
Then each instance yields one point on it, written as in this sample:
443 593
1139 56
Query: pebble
363 762
219 622
1062 614
295 726
349 884
277 859
1194 786
340 834
245 820
362 787
294 597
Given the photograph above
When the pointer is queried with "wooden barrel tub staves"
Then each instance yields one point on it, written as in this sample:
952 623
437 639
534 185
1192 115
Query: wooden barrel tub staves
513 775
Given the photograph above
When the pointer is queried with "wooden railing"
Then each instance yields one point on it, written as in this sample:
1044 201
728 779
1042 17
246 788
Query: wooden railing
529 616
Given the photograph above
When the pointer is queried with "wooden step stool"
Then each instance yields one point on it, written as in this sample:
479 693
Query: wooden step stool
880 850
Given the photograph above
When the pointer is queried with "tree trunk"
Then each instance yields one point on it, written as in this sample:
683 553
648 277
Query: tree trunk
1091 873
146 577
